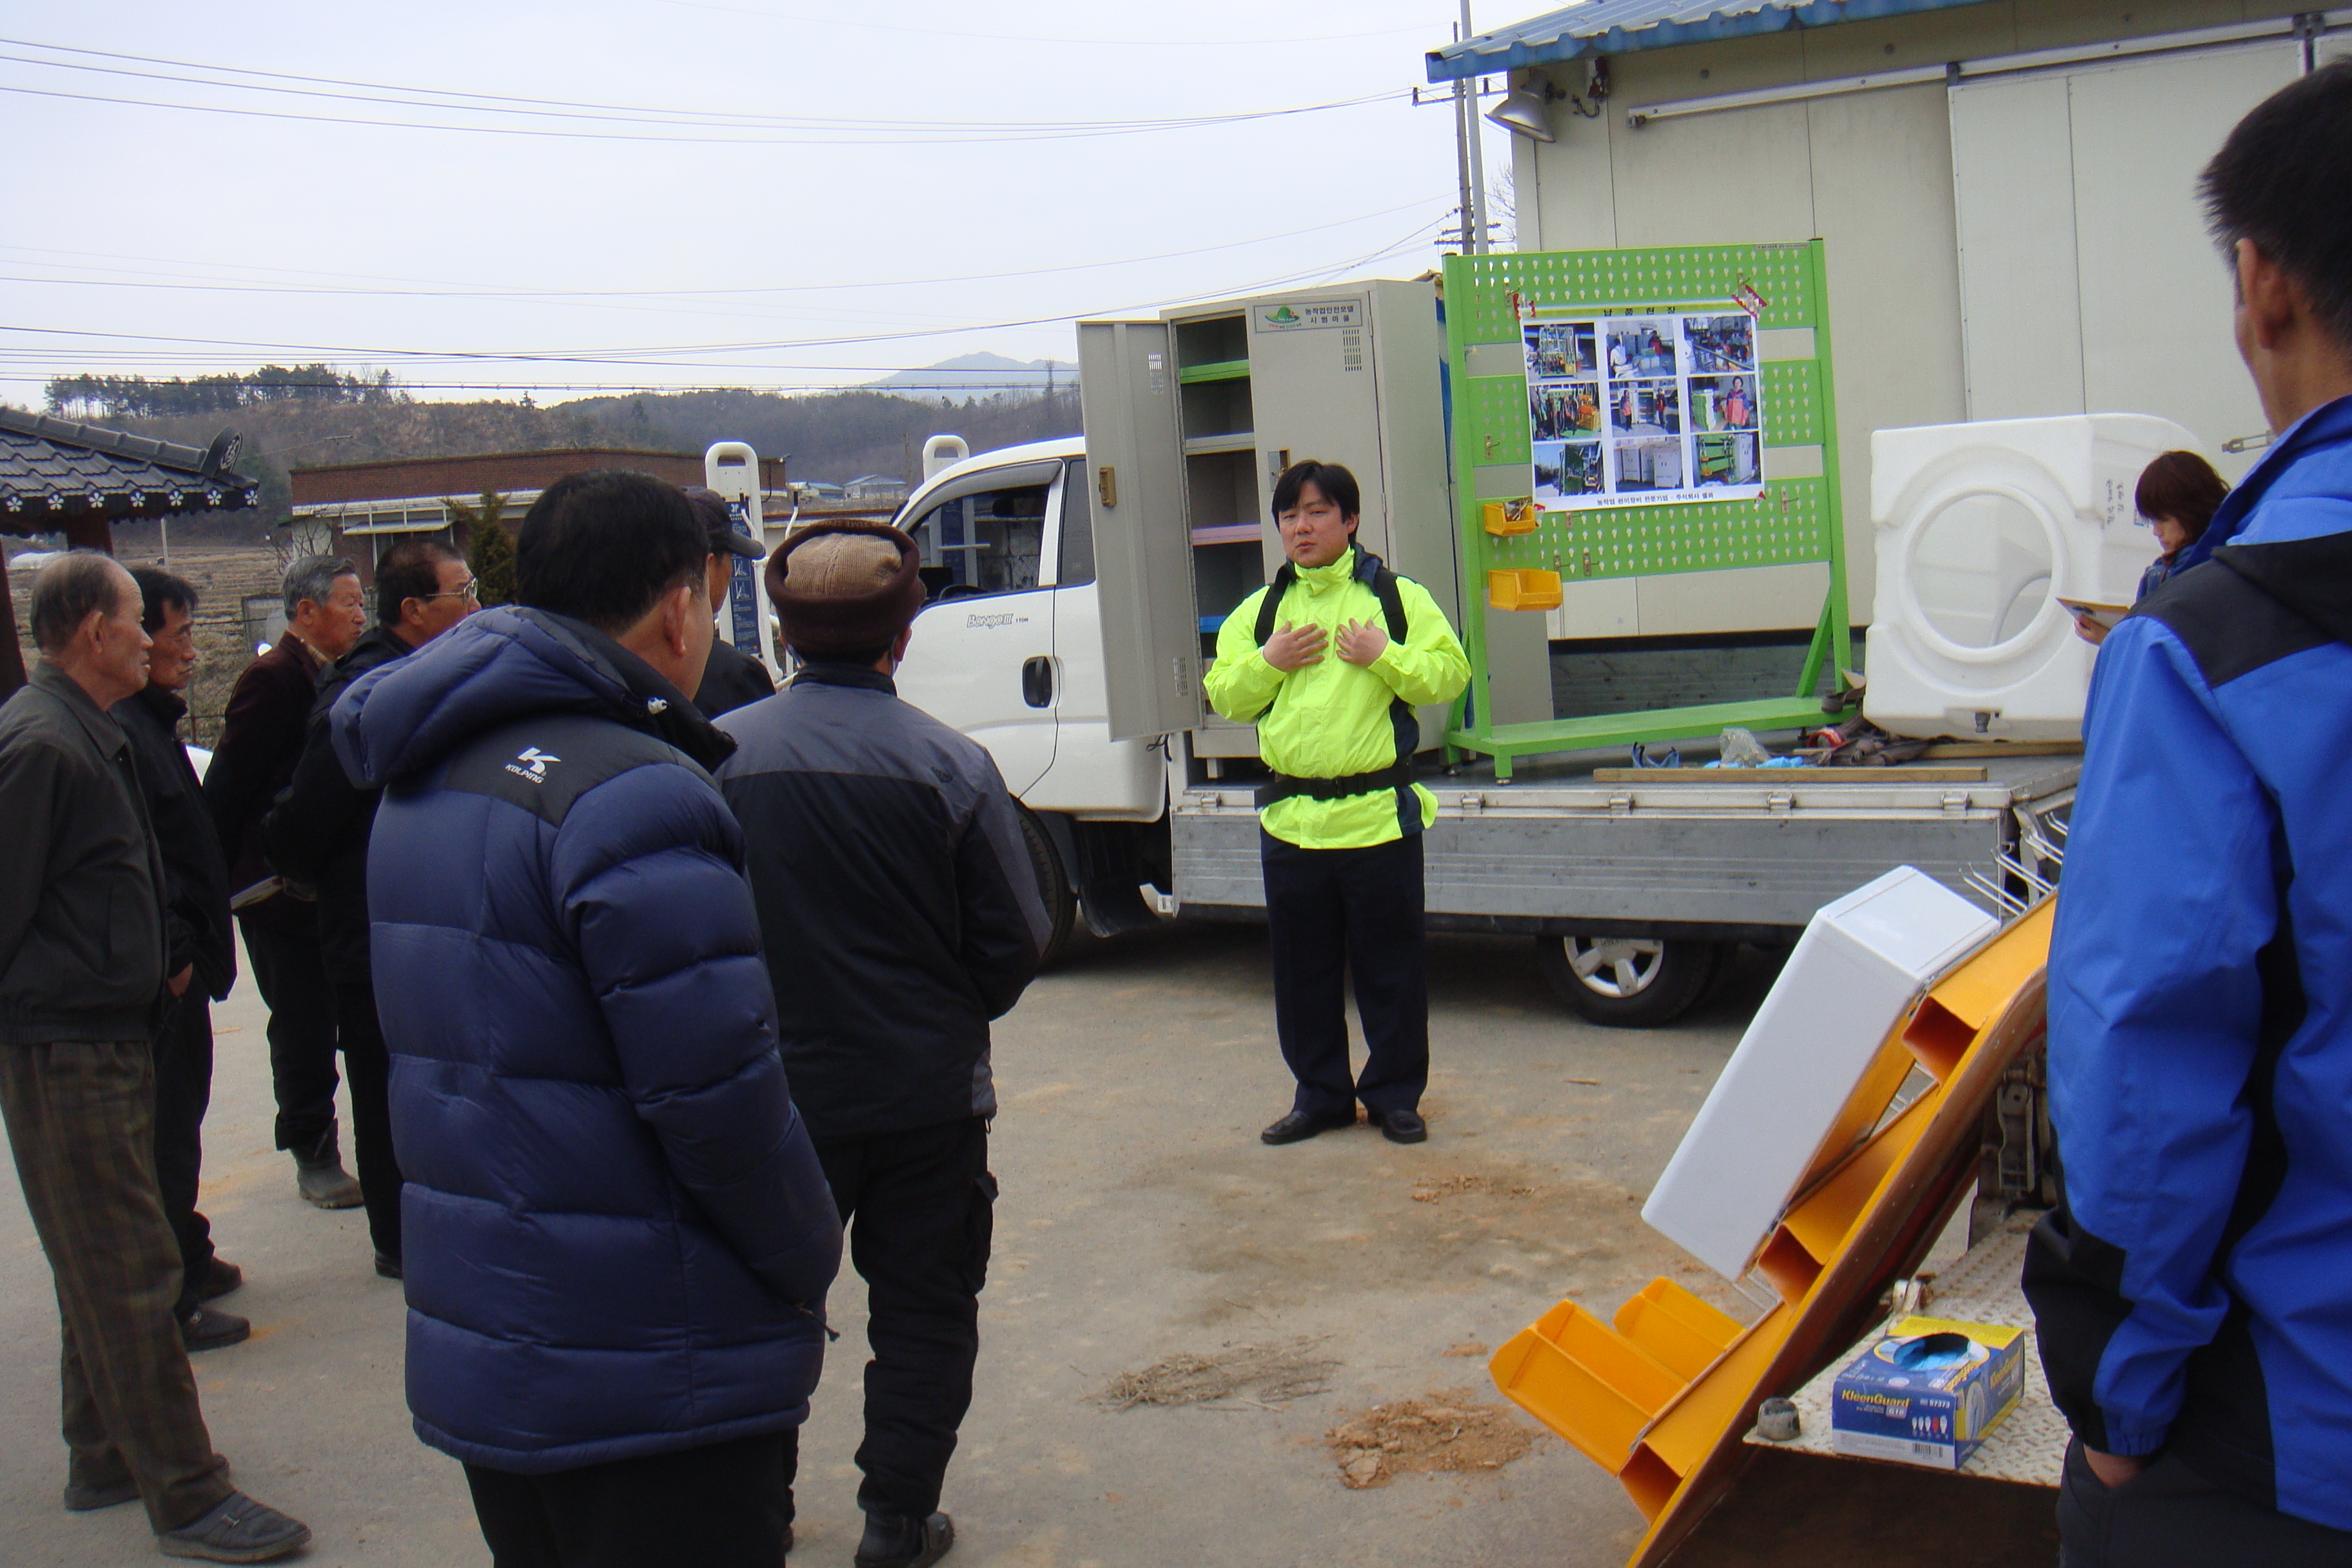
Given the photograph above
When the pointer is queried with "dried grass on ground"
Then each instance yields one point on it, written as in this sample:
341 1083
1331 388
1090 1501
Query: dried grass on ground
1447 1430
1273 1373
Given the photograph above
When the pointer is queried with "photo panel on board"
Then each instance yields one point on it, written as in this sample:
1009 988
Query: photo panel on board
1725 458
1723 403
1640 347
1566 411
1645 408
1649 464
1557 351
1720 344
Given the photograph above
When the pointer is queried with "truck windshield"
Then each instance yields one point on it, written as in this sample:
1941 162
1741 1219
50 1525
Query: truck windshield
990 543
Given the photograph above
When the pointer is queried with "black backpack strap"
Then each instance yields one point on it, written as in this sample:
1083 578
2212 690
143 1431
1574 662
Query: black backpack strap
1271 605
1374 574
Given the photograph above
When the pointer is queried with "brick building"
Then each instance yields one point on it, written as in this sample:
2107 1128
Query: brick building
364 509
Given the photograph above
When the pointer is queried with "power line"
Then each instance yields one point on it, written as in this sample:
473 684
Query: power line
560 295
632 357
793 131
589 109
1035 38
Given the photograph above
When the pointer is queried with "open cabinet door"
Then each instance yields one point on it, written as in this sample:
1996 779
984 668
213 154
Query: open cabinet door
1152 632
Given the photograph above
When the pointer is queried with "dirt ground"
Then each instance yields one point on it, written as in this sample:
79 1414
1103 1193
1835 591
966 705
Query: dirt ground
1144 1235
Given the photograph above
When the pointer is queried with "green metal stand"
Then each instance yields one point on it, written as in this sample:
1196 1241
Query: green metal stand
1797 519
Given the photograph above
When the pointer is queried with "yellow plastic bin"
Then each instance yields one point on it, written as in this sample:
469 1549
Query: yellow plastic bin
1523 588
1505 519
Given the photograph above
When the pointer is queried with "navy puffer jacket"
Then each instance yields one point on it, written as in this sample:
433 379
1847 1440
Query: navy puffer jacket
618 1238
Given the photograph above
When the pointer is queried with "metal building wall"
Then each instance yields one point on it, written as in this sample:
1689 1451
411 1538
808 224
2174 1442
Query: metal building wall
1871 173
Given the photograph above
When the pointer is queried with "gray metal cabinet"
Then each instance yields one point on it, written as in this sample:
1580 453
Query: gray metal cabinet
1190 421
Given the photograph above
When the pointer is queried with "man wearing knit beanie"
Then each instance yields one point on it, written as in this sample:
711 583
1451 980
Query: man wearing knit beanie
899 915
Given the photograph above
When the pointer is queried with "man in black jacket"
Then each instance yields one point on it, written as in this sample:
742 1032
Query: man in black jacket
81 970
734 677
261 738
318 835
899 913
200 948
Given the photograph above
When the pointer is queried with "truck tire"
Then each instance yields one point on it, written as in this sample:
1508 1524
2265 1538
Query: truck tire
1629 982
1052 885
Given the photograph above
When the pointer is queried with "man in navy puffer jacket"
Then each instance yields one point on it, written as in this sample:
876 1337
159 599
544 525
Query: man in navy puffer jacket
618 1238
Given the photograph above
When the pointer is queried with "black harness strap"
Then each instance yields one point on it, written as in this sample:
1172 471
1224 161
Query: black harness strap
1374 574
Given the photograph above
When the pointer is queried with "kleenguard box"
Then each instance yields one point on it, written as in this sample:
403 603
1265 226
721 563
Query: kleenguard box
1927 1391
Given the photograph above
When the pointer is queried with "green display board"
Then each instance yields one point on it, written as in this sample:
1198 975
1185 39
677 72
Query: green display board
1585 382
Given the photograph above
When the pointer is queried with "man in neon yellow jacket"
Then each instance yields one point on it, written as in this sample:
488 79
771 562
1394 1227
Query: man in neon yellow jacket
1330 660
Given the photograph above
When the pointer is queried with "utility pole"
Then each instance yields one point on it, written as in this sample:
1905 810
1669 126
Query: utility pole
1474 212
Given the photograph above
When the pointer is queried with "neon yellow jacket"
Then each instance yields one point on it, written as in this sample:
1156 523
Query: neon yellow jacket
1330 719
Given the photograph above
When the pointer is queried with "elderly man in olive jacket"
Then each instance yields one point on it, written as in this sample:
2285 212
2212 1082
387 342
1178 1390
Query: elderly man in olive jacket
81 970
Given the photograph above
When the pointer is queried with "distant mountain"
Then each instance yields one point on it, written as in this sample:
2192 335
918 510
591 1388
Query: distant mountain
980 372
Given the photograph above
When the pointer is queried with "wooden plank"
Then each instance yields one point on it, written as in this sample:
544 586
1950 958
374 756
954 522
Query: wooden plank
2004 749
1905 773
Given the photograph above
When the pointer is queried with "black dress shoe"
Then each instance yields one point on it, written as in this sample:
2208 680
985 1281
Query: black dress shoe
1403 1127
221 1277
1299 1126
387 1265
208 1329
901 1541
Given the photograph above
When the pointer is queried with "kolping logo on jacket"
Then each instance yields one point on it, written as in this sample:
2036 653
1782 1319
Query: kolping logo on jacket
531 763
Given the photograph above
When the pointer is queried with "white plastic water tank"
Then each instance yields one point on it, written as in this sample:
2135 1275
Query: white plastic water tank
1861 962
1980 530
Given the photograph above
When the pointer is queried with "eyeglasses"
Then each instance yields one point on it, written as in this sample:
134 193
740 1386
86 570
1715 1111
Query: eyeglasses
468 591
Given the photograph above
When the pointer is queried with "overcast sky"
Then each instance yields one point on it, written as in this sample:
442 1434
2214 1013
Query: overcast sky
766 192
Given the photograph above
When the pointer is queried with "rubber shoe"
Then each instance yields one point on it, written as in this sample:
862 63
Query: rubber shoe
900 1541
324 1184
90 1499
221 1277
209 1328
240 1530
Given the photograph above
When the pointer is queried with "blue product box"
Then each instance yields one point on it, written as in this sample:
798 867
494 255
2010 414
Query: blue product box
1927 1392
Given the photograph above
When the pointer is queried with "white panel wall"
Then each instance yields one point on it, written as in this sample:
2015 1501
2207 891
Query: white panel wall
2155 295
2021 315
2087 282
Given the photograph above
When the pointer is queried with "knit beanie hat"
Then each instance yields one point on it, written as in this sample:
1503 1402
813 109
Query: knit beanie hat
845 589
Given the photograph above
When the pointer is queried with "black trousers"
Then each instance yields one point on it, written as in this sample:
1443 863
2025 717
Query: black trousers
727 1505
1329 912
2168 1514
369 1066
184 1092
921 1208
292 974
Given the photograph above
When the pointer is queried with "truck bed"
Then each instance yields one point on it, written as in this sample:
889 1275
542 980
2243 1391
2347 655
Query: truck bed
1554 850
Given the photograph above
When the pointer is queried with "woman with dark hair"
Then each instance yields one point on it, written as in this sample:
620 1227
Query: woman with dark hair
2178 494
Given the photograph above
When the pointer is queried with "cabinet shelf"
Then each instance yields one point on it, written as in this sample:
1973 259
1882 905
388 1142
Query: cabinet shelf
1223 370
1227 533
1231 441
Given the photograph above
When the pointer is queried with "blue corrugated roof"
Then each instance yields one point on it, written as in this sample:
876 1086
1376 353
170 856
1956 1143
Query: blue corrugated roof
1622 27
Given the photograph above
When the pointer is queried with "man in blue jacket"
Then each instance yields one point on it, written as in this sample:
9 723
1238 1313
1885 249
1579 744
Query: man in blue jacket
2194 1290
617 1236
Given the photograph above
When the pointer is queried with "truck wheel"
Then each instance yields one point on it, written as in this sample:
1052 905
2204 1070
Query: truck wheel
1053 884
1628 982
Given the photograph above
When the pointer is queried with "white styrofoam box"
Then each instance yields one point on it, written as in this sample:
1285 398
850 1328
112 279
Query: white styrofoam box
1981 529
1861 963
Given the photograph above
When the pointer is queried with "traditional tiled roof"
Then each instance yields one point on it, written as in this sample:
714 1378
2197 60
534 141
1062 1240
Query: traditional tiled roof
52 469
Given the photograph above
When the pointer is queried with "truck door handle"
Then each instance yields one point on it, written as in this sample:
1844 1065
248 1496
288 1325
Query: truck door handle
1037 681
